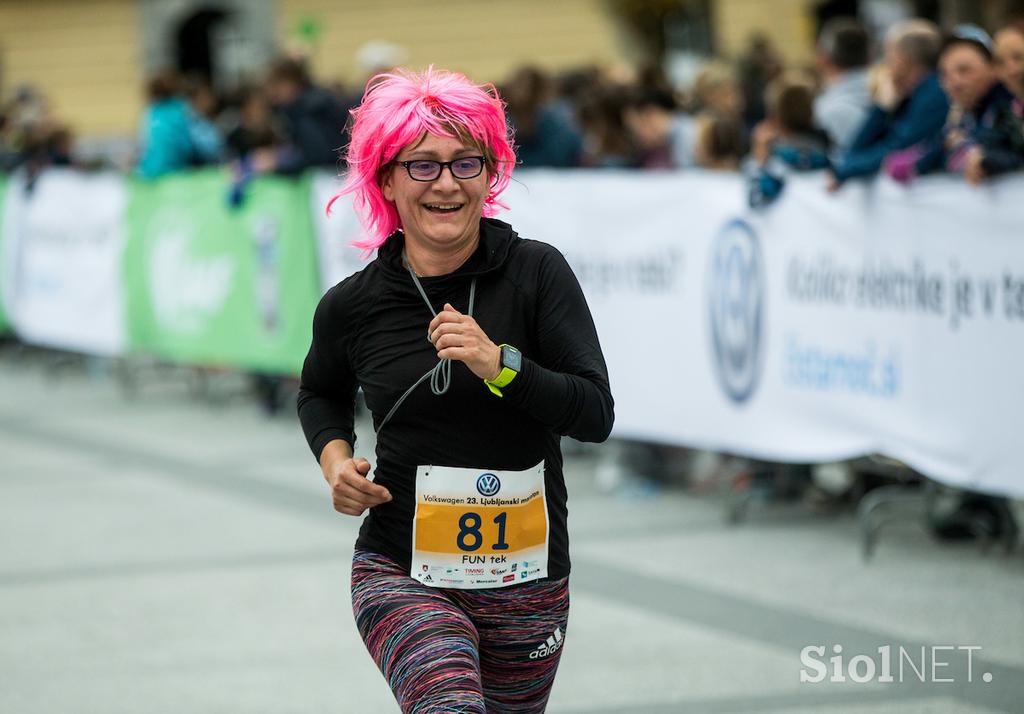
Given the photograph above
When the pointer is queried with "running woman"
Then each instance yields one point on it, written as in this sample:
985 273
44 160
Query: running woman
476 352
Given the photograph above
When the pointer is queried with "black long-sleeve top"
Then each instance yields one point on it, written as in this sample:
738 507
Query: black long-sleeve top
918 118
370 331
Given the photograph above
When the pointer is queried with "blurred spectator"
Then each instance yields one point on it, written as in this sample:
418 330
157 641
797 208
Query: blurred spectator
254 127
663 134
984 136
571 89
842 59
606 142
312 123
251 129
758 66
721 143
787 140
167 140
30 137
1009 51
312 120
8 156
911 52
204 106
18 120
717 91
544 136
717 100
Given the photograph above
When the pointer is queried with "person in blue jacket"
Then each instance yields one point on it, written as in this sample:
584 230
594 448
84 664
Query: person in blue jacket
984 134
787 141
172 136
918 109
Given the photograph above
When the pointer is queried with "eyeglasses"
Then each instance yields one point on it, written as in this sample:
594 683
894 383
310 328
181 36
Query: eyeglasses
429 170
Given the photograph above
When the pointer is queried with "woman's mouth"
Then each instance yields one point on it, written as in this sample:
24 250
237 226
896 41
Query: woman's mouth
442 207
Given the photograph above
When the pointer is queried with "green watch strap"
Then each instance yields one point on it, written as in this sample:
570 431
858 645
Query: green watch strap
504 378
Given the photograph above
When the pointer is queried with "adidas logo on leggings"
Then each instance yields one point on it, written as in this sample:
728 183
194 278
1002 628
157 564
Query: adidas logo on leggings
553 644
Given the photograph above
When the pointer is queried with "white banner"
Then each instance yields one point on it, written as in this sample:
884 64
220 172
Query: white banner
63 243
335 232
880 319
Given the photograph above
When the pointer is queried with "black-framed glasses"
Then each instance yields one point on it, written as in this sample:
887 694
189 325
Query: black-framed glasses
429 170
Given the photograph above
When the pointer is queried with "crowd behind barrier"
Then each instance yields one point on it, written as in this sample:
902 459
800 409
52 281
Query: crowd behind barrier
821 327
913 100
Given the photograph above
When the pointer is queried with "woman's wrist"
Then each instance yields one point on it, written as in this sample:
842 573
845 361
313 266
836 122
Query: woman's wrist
335 449
495 361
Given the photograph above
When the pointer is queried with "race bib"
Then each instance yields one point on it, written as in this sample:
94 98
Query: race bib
479 529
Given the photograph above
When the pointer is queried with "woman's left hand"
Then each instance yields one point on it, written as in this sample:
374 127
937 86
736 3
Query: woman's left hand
459 337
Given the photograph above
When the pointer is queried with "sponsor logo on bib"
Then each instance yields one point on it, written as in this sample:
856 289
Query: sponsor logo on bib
488 485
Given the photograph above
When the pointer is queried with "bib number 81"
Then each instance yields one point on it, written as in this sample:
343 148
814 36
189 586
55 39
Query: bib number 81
470 538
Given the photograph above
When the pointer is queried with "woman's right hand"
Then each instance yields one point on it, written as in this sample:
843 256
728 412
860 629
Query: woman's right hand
351 491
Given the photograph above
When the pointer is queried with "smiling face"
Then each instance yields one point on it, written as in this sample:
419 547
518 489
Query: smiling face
441 216
1010 58
901 70
967 75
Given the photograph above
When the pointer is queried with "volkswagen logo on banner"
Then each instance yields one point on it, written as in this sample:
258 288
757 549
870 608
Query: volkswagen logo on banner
736 309
488 485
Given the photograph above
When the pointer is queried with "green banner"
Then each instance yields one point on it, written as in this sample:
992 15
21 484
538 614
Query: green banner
210 284
5 325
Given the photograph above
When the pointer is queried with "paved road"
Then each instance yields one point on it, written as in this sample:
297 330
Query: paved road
162 554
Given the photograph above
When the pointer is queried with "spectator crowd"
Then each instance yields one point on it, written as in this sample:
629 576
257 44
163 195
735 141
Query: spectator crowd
910 103
930 102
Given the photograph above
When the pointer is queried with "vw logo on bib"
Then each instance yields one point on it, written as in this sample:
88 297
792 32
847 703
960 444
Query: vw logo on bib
488 485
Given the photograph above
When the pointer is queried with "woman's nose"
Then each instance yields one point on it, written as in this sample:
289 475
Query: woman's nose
446 181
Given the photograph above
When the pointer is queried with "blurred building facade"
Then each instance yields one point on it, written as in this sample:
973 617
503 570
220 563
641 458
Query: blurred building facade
83 56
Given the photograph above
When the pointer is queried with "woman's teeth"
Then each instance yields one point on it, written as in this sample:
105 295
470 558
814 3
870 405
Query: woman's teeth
443 207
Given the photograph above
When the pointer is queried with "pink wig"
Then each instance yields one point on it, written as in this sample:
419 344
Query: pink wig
397 109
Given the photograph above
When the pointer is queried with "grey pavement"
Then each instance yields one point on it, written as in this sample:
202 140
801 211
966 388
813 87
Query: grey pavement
165 553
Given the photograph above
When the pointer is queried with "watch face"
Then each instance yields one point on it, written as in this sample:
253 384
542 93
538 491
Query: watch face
511 358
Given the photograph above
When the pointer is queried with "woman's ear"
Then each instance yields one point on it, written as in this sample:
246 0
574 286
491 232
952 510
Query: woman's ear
385 185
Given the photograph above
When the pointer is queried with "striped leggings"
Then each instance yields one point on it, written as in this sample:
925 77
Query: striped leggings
469 651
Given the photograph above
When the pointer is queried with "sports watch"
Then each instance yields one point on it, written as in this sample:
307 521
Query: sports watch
511 365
